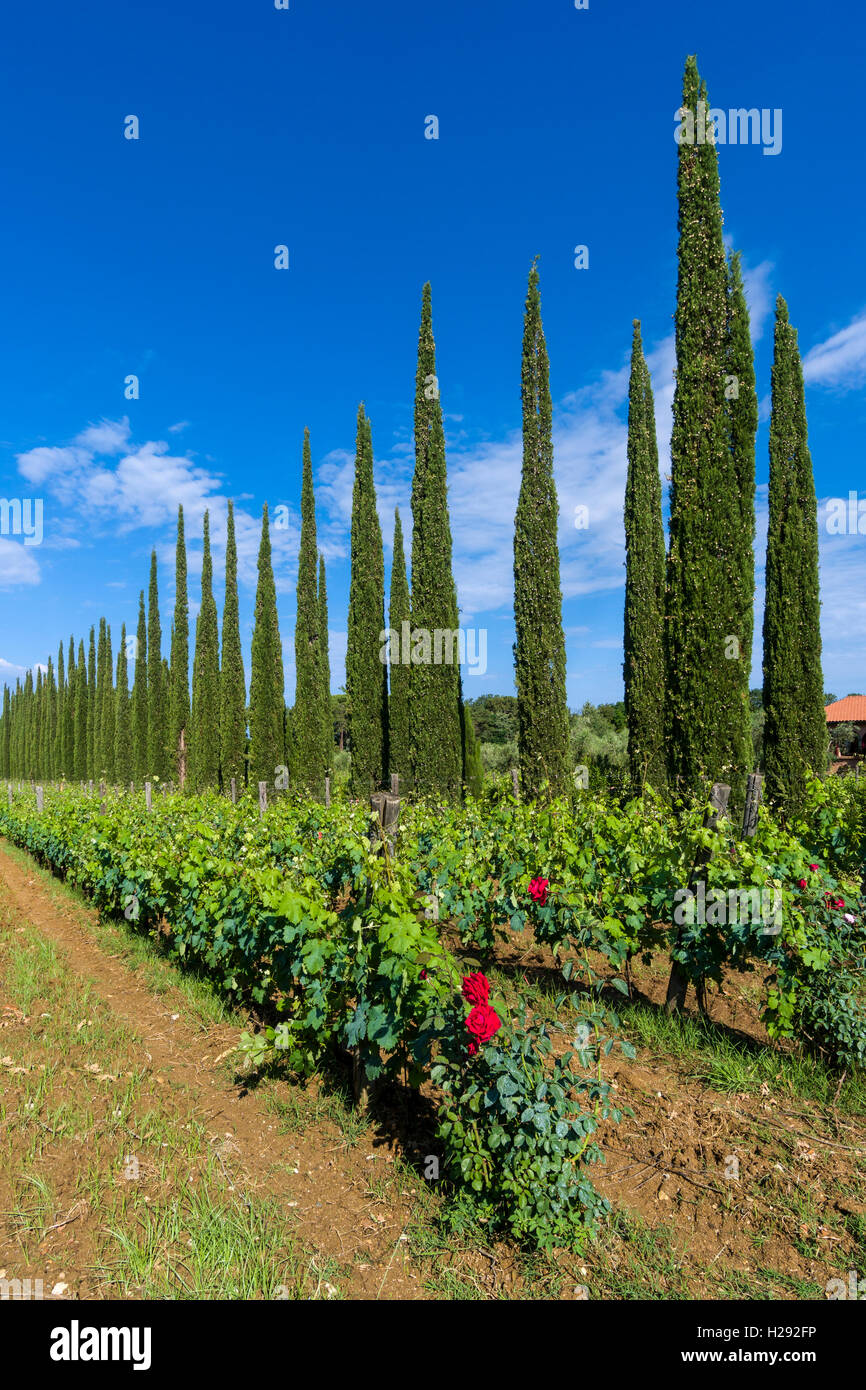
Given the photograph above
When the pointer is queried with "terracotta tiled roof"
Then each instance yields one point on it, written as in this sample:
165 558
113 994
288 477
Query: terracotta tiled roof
852 708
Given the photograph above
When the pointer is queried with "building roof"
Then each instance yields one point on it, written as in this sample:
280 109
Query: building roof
852 708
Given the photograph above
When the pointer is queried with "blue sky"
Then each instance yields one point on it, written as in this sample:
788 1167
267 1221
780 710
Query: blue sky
306 127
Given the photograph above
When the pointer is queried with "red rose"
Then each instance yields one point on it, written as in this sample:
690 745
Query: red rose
813 867
801 883
538 890
840 902
476 988
482 1023
423 974
473 1048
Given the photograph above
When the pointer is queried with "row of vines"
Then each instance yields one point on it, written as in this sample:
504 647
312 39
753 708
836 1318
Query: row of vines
330 935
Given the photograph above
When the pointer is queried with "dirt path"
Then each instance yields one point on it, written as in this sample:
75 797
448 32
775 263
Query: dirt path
330 1196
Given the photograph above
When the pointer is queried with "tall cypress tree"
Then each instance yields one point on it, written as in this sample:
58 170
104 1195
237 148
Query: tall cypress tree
6 738
366 672
233 698
267 681
69 712
539 651
123 747
399 613
434 706
156 712
61 765
96 767
106 713
795 734
741 403
79 733
307 732
91 705
179 714
51 721
706 677
327 721
139 699
643 668
205 741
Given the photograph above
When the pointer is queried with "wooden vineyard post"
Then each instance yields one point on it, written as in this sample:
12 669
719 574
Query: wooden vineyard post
327 791
102 808
234 790
263 799
101 788
395 784
754 784
678 983
515 783
148 795
90 787
39 800
9 793
132 789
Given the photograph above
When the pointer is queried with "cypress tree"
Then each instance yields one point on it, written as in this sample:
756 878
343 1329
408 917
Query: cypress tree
97 768
38 699
91 705
706 677
156 711
51 722
139 698
123 748
180 709
205 741
539 651
399 613
267 683
106 713
795 734
69 713
741 406
434 707
366 672
6 741
233 698
307 730
60 762
327 721
643 668
79 732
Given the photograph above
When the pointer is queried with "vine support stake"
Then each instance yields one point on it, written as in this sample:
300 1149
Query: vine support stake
234 790
515 783
754 783
39 800
395 784
148 795
263 798
327 791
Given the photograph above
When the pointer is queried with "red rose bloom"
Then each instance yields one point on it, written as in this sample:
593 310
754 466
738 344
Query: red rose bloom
423 974
482 1023
476 988
840 902
801 883
813 867
538 890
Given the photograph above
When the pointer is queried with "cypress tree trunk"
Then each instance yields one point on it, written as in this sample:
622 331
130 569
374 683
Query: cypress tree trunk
366 670
156 711
539 652
233 696
327 720
434 709
795 736
706 676
399 613
179 715
204 753
139 698
123 758
307 731
643 640
267 685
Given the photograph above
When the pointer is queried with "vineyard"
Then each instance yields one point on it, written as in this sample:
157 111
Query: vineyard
352 948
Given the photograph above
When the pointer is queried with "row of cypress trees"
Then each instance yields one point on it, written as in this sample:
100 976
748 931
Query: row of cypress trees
689 615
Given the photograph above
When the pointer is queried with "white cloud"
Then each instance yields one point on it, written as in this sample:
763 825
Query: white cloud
17 565
841 360
759 298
